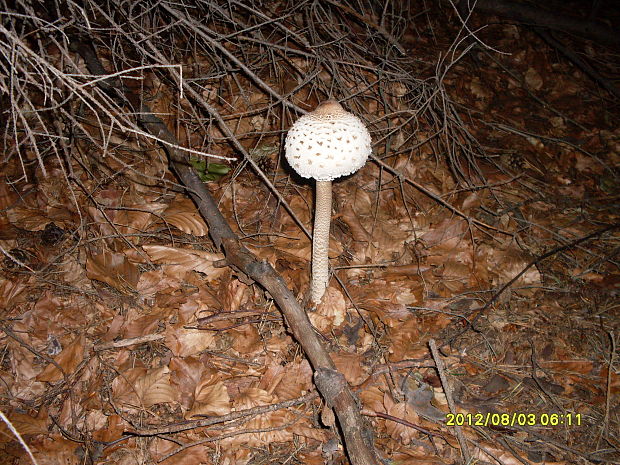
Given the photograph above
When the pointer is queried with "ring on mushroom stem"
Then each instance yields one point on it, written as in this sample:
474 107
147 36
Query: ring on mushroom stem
324 145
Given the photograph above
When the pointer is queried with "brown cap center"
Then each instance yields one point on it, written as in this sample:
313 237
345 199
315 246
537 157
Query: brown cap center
328 107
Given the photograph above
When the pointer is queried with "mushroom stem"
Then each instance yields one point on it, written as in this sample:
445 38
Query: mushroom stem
320 240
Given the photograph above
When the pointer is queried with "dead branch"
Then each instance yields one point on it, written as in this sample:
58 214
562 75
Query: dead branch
594 30
536 261
448 392
579 62
356 434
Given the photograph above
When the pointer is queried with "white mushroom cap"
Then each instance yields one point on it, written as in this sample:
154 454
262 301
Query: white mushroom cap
327 143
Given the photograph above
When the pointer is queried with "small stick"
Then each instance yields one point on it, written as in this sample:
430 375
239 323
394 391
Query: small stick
18 436
446 388
128 342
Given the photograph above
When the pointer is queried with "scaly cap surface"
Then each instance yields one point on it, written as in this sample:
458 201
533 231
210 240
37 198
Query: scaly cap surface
327 143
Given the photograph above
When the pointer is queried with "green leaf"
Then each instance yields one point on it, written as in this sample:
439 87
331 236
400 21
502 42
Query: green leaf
199 164
208 172
218 168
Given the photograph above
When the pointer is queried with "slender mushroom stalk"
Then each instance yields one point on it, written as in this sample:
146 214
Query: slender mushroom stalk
325 144
320 240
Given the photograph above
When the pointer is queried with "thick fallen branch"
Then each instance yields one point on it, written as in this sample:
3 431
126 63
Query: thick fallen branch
350 419
535 16
580 63
357 436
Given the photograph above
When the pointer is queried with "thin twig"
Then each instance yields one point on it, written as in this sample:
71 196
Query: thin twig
451 405
18 436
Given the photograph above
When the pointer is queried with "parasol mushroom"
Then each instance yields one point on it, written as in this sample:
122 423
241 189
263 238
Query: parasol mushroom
324 145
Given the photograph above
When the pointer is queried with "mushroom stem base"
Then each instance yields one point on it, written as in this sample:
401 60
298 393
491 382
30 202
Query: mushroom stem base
320 240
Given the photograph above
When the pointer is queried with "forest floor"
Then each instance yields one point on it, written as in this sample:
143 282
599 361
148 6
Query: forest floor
123 338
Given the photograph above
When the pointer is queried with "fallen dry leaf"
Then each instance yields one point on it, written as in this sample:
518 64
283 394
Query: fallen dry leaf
187 341
68 359
211 398
177 262
143 388
113 269
183 214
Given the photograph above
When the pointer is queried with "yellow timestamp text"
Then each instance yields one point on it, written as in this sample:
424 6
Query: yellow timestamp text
513 419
